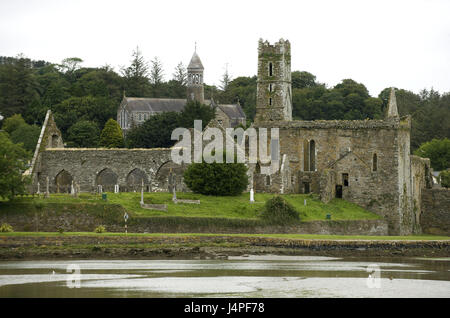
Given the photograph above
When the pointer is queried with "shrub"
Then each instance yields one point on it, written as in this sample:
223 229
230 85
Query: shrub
445 178
228 179
100 229
278 211
5 227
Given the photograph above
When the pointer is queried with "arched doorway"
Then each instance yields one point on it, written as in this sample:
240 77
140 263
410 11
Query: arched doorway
134 180
63 182
107 179
169 175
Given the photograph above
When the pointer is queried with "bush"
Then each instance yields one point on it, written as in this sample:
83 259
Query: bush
445 178
278 211
5 227
228 179
100 229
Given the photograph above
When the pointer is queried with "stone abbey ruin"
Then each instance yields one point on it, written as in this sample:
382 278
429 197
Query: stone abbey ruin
367 162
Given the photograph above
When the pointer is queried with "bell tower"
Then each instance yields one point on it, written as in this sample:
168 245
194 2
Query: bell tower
274 90
195 90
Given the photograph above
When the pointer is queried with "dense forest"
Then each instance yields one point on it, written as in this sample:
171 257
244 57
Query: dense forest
83 99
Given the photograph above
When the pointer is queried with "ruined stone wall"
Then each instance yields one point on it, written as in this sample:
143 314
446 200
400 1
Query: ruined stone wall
84 166
435 216
348 147
421 179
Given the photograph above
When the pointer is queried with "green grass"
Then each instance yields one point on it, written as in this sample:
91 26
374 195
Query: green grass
237 207
282 236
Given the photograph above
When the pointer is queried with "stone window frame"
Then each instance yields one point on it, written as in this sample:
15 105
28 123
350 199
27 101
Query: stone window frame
270 69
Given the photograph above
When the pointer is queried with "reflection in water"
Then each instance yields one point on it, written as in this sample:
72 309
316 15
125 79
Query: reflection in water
251 276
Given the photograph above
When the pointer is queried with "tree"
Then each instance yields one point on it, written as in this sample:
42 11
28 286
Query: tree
96 109
83 134
136 76
180 74
18 86
27 135
229 179
303 79
20 132
12 123
71 64
279 211
194 110
445 178
155 132
13 159
112 135
226 79
438 151
156 72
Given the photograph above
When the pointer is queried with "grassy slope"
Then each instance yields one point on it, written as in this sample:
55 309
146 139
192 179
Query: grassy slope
221 207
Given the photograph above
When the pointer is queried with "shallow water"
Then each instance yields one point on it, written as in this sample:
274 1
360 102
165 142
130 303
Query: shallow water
251 276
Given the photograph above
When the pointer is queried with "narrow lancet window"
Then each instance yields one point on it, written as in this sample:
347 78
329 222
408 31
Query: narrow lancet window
375 162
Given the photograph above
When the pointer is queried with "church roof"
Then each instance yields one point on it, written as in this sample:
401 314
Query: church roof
232 111
195 63
156 105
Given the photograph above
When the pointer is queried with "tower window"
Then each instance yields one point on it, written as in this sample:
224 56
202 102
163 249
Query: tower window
270 69
375 162
270 101
270 88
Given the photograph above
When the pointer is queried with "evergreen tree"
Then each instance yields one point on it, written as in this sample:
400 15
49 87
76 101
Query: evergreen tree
136 76
111 136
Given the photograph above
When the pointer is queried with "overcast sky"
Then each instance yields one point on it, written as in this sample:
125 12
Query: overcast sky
405 44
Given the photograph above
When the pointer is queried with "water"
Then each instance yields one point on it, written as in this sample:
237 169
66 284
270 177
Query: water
251 276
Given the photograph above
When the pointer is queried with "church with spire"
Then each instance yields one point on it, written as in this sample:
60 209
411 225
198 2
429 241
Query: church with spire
134 111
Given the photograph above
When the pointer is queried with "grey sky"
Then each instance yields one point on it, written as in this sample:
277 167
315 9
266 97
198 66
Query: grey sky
378 43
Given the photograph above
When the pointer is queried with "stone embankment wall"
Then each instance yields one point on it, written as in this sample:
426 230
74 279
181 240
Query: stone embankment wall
435 217
70 218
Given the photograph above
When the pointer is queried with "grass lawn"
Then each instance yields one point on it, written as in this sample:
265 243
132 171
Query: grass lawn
283 236
221 207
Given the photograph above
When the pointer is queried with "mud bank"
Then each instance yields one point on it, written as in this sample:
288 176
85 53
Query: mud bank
205 247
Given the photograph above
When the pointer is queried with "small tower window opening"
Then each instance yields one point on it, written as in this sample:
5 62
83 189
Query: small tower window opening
374 162
345 179
270 101
270 69
270 88
312 155
268 180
